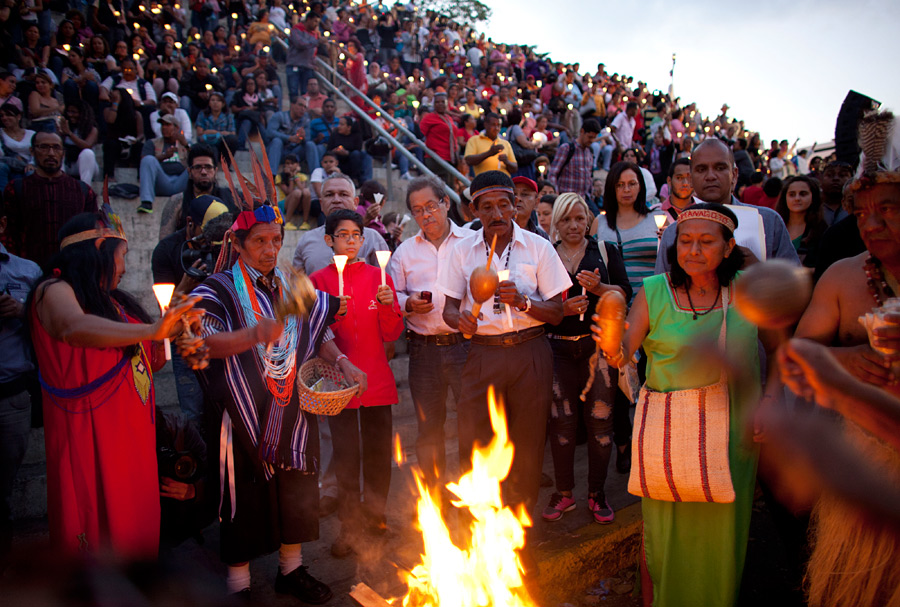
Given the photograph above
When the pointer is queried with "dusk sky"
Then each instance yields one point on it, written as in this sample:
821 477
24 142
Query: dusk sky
782 67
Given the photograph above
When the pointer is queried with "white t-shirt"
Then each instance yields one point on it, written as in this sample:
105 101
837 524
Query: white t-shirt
318 175
624 129
22 148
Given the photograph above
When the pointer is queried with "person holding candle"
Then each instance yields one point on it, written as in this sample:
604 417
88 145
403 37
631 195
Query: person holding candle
595 271
97 350
369 316
268 446
517 362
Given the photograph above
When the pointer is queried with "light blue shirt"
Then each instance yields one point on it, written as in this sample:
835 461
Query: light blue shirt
17 277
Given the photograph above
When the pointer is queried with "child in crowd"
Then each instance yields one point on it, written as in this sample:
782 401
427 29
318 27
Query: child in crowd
371 197
369 317
329 166
293 192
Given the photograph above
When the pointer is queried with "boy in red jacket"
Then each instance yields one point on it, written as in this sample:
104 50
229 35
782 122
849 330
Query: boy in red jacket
369 316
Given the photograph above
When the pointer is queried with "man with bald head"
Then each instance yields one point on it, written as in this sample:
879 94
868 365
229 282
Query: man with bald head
713 175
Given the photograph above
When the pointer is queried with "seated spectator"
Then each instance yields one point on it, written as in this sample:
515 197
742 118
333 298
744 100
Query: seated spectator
322 127
246 109
124 132
166 70
44 107
346 143
215 125
163 164
287 133
320 174
79 80
293 194
141 91
196 86
168 104
315 98
8 91
227 73
16 143
79 132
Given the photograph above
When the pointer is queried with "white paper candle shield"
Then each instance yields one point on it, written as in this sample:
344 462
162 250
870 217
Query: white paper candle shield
383 258
163 292
340 261
504 275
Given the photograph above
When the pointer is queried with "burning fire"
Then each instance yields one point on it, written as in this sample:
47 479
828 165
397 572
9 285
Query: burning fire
487 572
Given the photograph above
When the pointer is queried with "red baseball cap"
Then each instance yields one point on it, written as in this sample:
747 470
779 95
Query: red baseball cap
525 180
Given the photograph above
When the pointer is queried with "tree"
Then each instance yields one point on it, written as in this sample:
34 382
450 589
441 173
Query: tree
462 11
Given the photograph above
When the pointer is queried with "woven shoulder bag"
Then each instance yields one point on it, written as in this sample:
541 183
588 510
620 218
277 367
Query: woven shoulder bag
680 441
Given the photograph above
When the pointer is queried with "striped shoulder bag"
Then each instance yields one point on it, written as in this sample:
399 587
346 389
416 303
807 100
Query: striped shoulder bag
680 441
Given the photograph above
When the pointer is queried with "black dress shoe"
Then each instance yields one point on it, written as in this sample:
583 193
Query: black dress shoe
303 586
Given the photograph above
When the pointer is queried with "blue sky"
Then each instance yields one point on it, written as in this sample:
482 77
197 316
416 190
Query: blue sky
783 67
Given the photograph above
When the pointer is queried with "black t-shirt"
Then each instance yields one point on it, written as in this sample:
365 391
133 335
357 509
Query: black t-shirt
612 273
166 260
840 241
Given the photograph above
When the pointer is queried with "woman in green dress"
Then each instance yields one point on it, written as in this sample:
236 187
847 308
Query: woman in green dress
693 553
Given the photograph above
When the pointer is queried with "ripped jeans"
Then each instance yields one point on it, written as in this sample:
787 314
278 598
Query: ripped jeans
570 374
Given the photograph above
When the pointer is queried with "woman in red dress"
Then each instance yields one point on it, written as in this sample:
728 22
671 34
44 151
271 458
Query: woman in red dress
96 350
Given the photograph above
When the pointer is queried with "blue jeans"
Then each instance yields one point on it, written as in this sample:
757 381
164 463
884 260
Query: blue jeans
155 181
277 149
602 154
433 371
190 395
297 77
571 368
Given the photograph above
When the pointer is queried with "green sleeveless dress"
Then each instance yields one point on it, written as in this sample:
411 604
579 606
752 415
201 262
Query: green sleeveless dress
695 551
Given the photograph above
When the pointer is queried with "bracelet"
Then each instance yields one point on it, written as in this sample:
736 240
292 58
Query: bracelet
527 305
339 358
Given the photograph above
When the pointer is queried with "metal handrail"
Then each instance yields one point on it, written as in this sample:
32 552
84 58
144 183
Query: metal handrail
400 126
390 138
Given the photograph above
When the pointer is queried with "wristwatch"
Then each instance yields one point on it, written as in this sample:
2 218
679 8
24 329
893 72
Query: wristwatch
527 304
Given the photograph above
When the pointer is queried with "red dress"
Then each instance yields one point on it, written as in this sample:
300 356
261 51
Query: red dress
102 483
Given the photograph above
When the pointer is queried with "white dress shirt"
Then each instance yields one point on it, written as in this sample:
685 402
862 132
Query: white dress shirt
533 264
415 267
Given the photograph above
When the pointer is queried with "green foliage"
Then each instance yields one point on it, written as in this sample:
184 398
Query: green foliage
463 11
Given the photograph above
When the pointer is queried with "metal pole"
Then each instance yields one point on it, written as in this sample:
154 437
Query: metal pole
400 126
390 138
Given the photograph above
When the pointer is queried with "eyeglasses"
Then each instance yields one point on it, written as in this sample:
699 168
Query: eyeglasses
204 167
348 236
49 147
431 208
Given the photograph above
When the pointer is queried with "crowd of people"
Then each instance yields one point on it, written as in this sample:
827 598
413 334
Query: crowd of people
582 188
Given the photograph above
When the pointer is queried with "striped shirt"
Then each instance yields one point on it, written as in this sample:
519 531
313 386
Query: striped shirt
639 246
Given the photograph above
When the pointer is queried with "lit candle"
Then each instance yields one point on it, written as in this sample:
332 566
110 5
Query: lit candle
504 275
340 261
163 292
583 292
383 258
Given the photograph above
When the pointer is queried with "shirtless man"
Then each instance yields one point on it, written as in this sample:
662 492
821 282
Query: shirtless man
842 295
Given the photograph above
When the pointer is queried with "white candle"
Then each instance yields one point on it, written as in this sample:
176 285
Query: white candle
583 292
340 261
163 292
383 258
504 275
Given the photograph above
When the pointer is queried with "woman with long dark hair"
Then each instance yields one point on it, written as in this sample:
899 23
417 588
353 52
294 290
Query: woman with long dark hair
800 206
96 350
698 494
628 223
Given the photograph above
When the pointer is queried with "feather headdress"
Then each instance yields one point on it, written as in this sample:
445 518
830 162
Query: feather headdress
110 224
256 199
875 132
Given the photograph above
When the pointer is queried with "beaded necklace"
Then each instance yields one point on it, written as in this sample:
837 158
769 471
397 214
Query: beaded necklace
279 360
875 278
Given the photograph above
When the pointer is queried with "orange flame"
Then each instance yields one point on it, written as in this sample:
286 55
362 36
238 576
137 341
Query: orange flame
487 572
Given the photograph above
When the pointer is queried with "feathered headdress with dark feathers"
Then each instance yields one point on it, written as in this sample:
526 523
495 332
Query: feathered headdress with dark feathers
875 131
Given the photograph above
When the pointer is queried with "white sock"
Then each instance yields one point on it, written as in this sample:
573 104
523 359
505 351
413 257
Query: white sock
289 558
237 578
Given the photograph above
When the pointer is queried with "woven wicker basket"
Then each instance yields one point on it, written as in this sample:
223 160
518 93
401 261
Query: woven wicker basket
322 403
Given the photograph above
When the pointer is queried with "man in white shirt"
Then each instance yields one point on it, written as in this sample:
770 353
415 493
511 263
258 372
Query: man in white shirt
168 104
622 126
513 357
437 352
